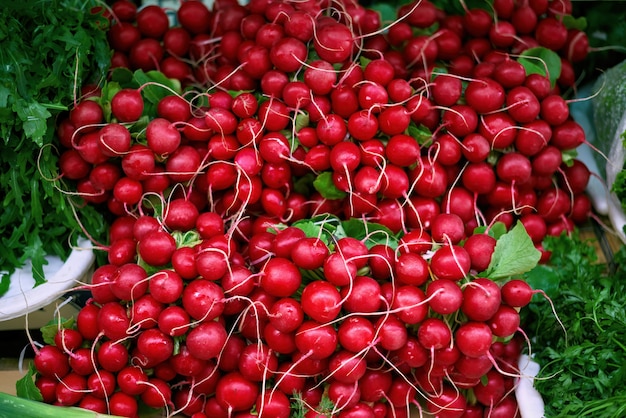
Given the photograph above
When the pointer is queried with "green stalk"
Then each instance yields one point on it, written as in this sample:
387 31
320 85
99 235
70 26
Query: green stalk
12 406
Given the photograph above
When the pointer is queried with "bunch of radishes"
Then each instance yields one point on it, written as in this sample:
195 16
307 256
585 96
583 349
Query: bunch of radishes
323 318
308 199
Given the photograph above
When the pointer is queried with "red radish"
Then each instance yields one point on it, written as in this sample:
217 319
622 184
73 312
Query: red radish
347 367
333 42
71 389
315 340
554 109
112 356
101 384
485 95
434 333
450 262
203 300
115 140
409 303
68 339
553 203
85 115
194 16
157 393
517 293
123 404
130 282
152 21
477 22
505 322
288 54
490 393
101 281
50 361
447 228
460 120
514 167
568 135
394 120
338 270
127 105
128 191
87 320
392 332
365 295
280 277
156 248
480 247
446 90
162 137
180 215
475 147
173 321
473 338
499 129
411 269
146 54
429 177
449 403
420 51
321 301
206 340
481 299
551 33
166 286
444 296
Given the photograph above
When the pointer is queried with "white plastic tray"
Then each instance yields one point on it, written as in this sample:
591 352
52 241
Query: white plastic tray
22 298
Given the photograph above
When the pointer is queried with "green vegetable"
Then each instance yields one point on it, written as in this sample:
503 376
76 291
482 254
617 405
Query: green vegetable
323 183
619 187
584 359
49 50
12 406
514 254
541 61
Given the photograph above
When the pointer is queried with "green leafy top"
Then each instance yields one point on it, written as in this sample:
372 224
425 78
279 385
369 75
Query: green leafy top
330 228
584 359
543 61
49 50
514 254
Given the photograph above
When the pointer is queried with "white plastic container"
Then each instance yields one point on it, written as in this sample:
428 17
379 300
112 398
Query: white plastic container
23 299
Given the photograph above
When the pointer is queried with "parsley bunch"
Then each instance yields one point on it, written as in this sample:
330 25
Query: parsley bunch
50 48
584 361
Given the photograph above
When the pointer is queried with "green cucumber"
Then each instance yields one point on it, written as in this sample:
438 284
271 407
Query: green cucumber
13 406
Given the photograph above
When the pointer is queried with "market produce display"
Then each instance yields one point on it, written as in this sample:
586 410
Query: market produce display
317 209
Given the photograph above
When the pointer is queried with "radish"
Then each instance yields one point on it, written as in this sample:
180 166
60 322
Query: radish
450 262
473 338
321 301
481 299
127 105
333 42
280 277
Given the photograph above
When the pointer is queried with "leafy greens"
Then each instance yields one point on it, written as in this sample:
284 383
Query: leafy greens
49 50
584 361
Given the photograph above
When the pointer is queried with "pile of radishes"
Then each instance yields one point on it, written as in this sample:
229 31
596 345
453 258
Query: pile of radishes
315 212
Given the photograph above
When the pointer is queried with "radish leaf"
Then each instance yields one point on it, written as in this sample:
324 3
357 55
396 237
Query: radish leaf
325 186
514 254
26 388
540 60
